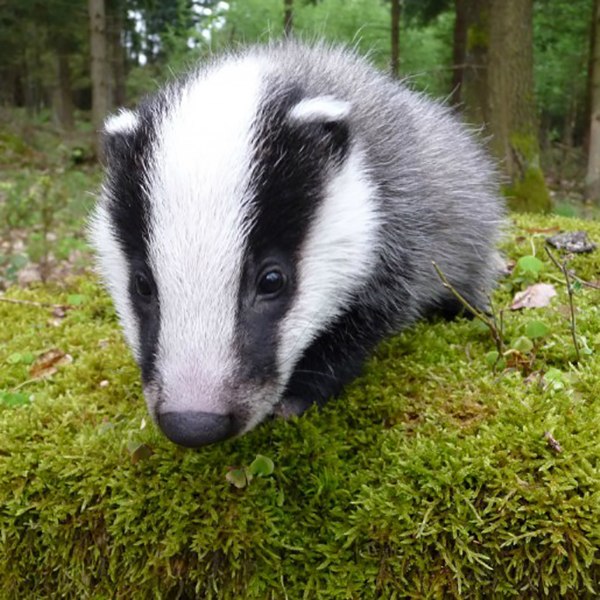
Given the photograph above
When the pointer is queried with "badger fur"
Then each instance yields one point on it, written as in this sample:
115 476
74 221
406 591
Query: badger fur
267 220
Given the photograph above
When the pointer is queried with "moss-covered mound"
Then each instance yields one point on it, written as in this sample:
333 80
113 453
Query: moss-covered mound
437 474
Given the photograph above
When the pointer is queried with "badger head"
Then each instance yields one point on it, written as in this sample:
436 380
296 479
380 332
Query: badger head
235 224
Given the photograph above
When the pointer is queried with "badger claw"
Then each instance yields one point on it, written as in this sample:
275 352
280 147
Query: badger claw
292 406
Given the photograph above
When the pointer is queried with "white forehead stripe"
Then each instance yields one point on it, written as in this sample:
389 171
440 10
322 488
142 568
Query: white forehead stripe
199 220
336 257
125 121
323 108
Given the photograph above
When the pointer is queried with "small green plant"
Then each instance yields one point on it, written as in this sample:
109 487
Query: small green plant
47 204
13 399
240 477
528 270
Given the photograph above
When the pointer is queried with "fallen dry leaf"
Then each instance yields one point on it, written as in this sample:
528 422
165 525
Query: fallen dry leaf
547 230
60 311
535 296
47 364
140 452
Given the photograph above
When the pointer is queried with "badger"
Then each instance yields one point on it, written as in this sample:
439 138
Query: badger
269 218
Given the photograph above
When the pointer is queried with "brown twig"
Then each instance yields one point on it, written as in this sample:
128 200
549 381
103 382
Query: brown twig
563 268
38 304
491 324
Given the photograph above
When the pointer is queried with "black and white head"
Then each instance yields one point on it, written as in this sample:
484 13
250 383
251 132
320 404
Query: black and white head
236 222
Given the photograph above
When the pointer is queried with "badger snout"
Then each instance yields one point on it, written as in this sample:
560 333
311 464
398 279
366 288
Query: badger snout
194 429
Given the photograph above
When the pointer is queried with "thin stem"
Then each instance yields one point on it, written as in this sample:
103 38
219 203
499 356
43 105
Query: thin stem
563 268
481 316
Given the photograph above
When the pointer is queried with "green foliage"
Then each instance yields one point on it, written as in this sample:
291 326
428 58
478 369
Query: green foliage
361 23
431 477
536 329
529 268
40 213
44 200
262 466
561 44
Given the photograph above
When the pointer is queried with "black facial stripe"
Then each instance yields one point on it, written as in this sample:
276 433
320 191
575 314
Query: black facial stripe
293 162
129 155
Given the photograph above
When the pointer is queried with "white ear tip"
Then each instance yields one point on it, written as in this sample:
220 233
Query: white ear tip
125 121
323 108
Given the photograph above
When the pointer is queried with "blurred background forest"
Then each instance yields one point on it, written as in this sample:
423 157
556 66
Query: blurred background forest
525 73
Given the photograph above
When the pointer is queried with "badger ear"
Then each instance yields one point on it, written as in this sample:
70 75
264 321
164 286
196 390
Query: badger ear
125 121
329 115
117 130
323 109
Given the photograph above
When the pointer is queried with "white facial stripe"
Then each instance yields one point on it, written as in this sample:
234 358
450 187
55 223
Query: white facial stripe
200 216
113 267
323 108
337 255
125 121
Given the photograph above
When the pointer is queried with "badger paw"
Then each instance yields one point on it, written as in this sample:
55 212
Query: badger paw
291 406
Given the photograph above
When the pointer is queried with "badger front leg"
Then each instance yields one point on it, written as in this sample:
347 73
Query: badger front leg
334 359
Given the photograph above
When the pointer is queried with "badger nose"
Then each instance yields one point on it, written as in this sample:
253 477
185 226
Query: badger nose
193 429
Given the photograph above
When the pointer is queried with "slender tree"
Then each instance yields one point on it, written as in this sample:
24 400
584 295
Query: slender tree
115 30
511 101
62 100
471 54
592 183
99 68
396 16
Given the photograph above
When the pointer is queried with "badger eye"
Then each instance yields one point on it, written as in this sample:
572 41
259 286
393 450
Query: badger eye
271 282
142 286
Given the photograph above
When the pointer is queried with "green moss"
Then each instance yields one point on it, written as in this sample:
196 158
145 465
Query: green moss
528 193
477 37
430 478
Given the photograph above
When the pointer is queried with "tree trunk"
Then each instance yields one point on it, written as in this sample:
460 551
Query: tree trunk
99 70
8 89
474 85
62 101
396 15
592 180
29 90
570 120
513 119
288 17
459 49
